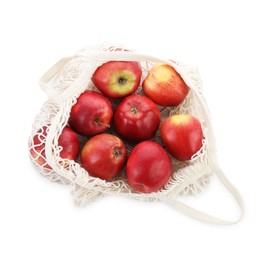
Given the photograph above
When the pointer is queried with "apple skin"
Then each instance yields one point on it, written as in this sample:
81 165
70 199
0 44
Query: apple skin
118 79
70 144
68 140
182 136
38 147
149 167
91 114
103 156
165 86
137 118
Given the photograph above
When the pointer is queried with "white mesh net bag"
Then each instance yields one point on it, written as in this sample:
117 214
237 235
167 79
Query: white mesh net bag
64 83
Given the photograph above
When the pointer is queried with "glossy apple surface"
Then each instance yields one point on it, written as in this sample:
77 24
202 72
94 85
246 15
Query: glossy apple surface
117 79
165 86
182 136
149 167
91 114
137 118
103 156
68 141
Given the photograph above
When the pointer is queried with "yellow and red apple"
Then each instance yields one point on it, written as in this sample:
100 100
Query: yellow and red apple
117 79
165 86
182 136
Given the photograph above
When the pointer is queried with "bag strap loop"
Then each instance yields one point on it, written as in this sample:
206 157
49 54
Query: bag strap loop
49 74
202 216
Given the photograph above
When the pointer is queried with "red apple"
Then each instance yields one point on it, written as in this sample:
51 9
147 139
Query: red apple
137 118
182 136
103 156
91 114
37 147
165 86
149 167
117 79
68 140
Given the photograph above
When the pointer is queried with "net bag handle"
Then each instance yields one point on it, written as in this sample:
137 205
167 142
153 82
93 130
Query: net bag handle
44 81
202 216
96 59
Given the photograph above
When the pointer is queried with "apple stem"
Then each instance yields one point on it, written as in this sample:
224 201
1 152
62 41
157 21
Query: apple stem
98 121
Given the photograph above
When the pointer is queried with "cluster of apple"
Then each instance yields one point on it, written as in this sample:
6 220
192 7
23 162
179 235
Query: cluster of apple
117 116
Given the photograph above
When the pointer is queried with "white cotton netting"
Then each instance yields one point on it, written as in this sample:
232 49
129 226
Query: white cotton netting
187 178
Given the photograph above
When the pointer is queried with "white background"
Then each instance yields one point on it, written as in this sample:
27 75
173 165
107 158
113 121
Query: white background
38 219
